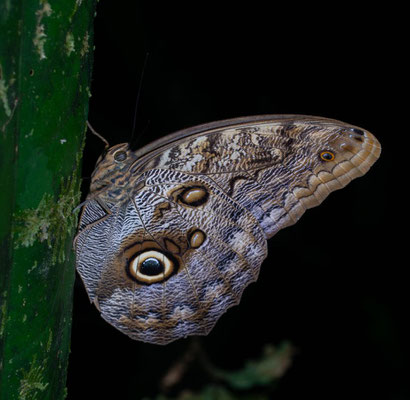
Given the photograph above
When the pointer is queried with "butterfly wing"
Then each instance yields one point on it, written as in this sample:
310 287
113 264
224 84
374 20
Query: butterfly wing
274 166
169 239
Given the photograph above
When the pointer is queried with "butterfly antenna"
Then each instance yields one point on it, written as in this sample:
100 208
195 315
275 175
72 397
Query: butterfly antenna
107 145
137 101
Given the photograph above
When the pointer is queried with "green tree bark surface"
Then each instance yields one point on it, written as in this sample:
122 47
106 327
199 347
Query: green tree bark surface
45 67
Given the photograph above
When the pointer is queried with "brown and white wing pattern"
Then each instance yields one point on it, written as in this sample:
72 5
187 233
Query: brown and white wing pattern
172 234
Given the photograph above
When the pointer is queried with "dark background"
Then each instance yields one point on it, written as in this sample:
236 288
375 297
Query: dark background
333 284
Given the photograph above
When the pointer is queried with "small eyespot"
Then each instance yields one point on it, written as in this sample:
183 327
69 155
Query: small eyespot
357 131
327 155
120 156
356 134
194 196
196 238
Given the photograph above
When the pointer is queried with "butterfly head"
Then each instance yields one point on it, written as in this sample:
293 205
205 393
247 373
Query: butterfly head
111 165
114 155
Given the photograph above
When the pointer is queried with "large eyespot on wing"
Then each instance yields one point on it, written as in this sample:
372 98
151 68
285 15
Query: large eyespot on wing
274 166
151 266
186 263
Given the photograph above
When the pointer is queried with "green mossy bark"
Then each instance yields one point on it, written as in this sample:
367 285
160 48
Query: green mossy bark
45 69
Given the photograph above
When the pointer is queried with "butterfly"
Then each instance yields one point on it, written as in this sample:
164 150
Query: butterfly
171 234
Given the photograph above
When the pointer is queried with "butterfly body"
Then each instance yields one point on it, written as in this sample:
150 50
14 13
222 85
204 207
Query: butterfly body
171 235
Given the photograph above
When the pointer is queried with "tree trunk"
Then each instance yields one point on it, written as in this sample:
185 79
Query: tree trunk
45 69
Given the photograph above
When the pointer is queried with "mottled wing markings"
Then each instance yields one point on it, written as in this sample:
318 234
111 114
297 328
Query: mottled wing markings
223 244
84 259
257 170
226 220
133 306
210 214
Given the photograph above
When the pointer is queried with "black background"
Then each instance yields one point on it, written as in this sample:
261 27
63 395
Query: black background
333 284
